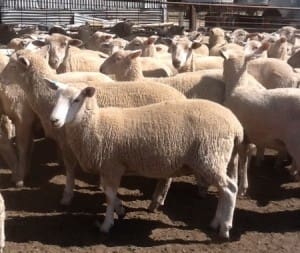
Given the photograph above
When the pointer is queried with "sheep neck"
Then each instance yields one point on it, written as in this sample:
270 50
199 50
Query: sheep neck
234 77
91 138
189 65
132 73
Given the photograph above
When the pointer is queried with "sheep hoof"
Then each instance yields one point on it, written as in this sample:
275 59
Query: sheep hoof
224 233
153 206
20 184
66 199
214 224
121 212
104 227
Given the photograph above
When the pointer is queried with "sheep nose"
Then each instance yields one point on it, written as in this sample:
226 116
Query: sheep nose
176 63
53 121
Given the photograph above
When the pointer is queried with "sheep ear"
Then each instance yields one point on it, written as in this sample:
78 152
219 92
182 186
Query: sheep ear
24 61
54 85
75 42
196 44
224 54
135 54
39 43
88 91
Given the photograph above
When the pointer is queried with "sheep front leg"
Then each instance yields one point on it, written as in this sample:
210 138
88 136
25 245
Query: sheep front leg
24 142
110 186
70 162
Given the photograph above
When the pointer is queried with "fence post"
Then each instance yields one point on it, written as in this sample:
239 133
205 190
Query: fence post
193 18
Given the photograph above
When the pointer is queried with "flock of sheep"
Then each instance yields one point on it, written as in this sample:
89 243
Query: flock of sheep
192 104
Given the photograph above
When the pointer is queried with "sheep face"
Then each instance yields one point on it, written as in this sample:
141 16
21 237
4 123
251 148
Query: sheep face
136 43
58 48
69 103
119 61
112 46
181 51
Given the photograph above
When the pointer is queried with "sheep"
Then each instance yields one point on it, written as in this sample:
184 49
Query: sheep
273 73
270 117
64 57
208 84
238 36
94 42
113 45
184 60
217 41
154 146
2 223
32 68
279 49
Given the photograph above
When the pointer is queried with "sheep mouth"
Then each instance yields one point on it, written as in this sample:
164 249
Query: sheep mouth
57 124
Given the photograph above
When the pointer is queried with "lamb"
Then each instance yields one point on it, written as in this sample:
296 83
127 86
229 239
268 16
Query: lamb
184 60
258 109
15 105
96 39
159 149
273 73
217 41
113 45
31 67
2 223
64 57
208 84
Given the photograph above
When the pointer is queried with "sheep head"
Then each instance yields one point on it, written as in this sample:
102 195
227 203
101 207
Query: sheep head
119 62
181 49
70 102
58 48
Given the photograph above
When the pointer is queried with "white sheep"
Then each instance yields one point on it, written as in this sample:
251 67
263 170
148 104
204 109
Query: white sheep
32 68
206 84
273 73
113 45
2 223
94 42
64 56
270 117
184 59
155 141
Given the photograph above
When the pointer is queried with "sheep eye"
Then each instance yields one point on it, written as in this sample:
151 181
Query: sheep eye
76 100
118 59
63 44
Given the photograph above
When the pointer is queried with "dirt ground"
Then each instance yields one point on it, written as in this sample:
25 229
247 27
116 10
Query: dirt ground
268 220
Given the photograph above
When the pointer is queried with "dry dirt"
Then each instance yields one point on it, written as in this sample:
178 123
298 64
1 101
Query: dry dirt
268 220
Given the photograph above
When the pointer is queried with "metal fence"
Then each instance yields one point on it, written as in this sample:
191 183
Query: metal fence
62 11
231 16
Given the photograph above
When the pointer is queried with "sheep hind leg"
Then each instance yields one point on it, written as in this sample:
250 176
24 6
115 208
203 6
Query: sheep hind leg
228 199
160 193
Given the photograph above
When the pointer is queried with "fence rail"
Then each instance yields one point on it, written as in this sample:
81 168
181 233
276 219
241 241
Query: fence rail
78 4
